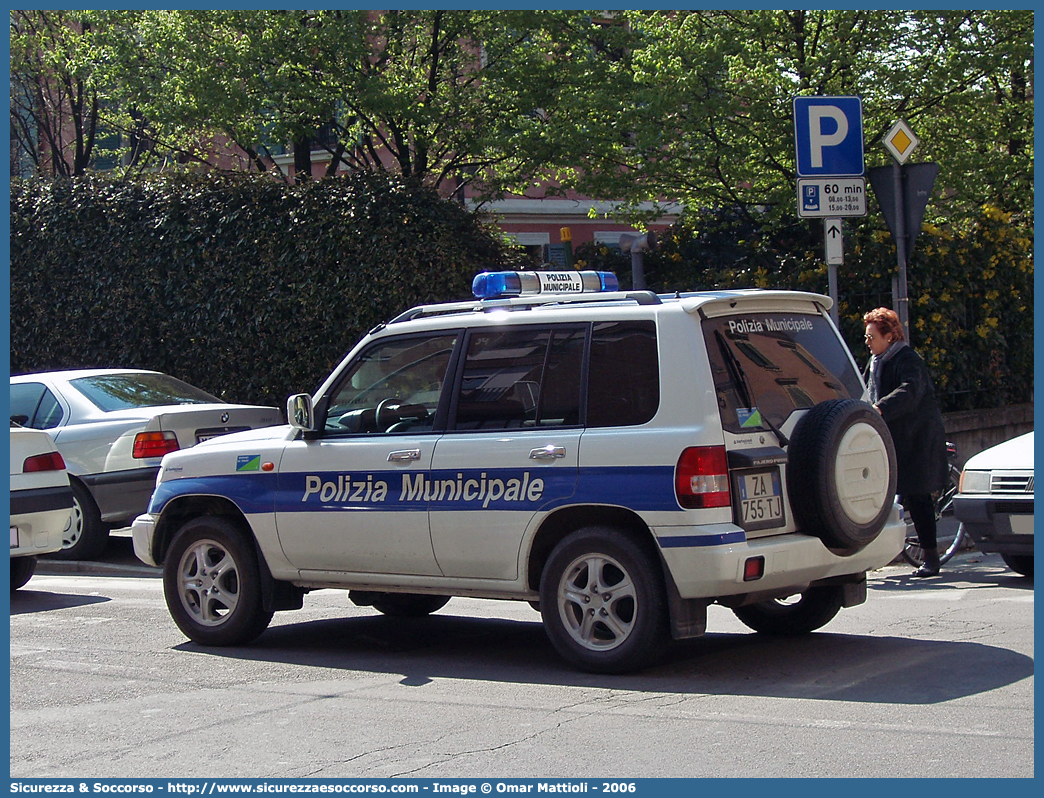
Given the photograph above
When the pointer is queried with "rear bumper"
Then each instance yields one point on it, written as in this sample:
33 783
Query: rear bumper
141 534
996 524
791 560
38 519
122 495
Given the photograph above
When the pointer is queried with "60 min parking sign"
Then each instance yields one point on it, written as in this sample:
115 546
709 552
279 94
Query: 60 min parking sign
831 196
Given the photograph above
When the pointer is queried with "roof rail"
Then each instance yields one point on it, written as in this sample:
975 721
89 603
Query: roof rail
525 302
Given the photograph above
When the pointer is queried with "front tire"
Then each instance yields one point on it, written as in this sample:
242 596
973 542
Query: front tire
22 570
85 537
602 599
794 615
212 584
1019 563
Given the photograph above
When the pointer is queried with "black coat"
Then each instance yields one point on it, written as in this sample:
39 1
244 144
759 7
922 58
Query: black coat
906 399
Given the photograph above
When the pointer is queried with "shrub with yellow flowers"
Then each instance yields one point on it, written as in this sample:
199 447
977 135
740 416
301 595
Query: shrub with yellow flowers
970 290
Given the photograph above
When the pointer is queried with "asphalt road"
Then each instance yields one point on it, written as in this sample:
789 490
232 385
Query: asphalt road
929 678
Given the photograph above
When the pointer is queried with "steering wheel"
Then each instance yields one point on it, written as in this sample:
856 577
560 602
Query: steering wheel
386 414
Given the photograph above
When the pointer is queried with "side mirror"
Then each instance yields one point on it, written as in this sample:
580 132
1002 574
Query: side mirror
300 412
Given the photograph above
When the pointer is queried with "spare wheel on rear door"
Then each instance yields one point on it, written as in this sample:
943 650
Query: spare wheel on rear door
841 473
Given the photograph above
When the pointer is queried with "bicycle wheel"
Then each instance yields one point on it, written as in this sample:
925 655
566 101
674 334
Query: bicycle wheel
949 542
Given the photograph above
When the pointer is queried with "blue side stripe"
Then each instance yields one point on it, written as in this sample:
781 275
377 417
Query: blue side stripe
691 541
252 493
646 488
642 489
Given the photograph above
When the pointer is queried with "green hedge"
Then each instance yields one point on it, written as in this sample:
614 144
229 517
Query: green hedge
253 290
971 294
241 285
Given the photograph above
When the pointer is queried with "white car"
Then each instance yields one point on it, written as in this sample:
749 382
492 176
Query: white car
621 460
112 427
41 501
995 501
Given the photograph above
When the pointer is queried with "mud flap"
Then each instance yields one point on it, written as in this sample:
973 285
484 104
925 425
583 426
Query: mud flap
688 616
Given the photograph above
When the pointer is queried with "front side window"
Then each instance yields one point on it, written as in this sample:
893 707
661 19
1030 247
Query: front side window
767 365
393 387
521 378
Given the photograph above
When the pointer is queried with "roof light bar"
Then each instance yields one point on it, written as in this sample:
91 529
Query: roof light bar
497 285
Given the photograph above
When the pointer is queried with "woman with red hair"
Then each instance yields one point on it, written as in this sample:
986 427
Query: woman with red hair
901 391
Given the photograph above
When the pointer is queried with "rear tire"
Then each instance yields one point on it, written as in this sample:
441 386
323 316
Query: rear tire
794 615
85 537
212 584
602 599
409 605
1019 563
22 570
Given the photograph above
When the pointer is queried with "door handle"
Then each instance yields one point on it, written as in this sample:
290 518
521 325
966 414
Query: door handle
548 452
404 456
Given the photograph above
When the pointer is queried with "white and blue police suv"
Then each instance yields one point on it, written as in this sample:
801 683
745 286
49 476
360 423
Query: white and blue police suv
619 459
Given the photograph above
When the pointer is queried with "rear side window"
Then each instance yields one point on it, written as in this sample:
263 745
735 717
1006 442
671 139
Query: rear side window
624 377
521 377
33 405
767 365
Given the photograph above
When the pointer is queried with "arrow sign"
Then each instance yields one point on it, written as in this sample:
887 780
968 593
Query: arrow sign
834 242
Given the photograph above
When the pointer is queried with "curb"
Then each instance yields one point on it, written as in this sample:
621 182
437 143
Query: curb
48 567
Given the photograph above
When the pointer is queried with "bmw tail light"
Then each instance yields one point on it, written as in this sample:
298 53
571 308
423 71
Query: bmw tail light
702 478
154 444
52 461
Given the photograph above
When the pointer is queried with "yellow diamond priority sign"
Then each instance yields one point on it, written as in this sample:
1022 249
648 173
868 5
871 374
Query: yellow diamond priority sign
901 141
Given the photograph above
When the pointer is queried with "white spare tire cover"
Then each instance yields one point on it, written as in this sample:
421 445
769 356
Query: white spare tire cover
841 473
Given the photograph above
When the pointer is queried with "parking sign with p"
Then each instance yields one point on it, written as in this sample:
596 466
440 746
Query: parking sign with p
828 136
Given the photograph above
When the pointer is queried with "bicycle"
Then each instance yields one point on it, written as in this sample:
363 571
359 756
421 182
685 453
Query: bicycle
949 543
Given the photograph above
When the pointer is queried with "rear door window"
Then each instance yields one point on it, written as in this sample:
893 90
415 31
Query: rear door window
767 365
520 378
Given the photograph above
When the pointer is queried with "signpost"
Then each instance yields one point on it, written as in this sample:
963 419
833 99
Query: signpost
828 142
903 191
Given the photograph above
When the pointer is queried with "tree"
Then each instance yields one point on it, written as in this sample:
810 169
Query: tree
709 101
55 102
692 106
436 96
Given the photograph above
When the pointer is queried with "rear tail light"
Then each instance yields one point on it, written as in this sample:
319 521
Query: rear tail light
52 461
702 478
154 444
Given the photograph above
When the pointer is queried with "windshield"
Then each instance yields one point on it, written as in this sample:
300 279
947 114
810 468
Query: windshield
767 365
110 392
